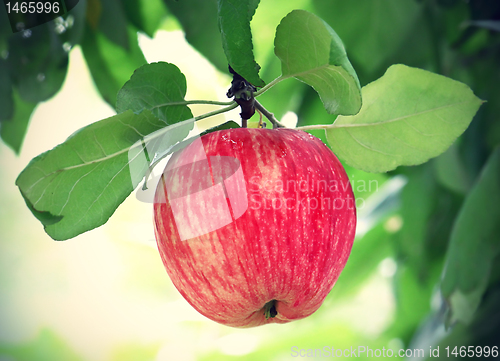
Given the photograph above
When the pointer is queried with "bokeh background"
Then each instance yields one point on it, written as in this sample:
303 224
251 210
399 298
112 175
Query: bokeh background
104 295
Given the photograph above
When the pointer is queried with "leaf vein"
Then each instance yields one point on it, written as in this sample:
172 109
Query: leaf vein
358 125
367 147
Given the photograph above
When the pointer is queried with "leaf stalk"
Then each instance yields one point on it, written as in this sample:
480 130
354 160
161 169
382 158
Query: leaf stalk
190 102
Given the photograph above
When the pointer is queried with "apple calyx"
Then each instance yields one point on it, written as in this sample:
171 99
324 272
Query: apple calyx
270 309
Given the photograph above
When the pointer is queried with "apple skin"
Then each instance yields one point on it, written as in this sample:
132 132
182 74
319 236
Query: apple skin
284 250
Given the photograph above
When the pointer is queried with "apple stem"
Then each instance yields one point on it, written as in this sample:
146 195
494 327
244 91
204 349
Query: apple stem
268 115
270 309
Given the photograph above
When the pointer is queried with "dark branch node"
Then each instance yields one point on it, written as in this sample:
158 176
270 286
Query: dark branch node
242 91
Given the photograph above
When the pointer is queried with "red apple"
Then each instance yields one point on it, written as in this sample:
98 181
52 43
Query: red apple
254 226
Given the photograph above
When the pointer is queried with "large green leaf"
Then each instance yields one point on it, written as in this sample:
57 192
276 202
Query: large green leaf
311 51
312 112
372 30
14 129
234 24
152 87
110 65
199 21
78 185
287 95
408 116
474 244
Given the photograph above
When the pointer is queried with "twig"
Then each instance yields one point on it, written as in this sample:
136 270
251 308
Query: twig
188 102
219 111
269 85
268 115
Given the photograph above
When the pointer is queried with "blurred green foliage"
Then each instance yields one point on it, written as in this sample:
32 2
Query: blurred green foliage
47 346
450 37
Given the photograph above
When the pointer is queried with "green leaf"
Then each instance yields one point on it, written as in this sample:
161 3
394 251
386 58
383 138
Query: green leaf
417 202
6 101
14 129
38 59
132 11
199 21
234 24
109 64
474 244
372 30
152 87
451 172
311 51
33 66
113 23
78 185
408 116
5 29
144 15
285 96
312 112
37 63
74 24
